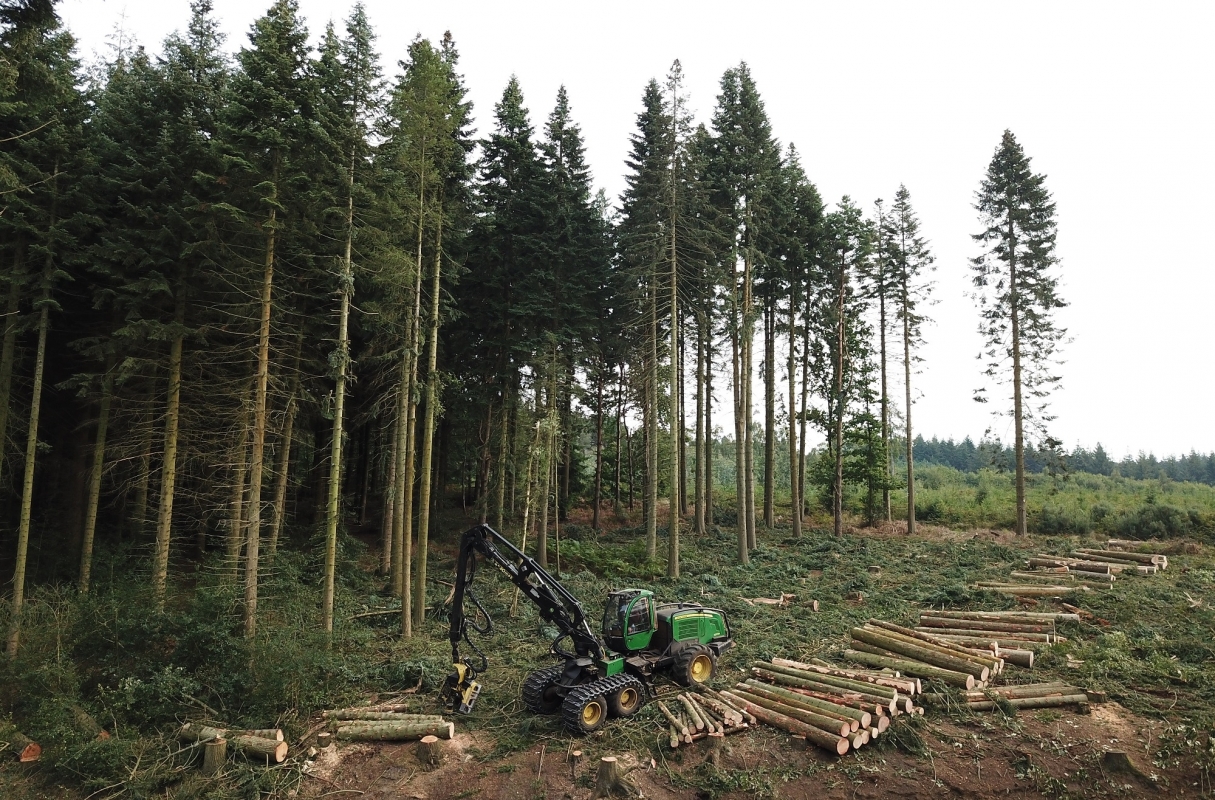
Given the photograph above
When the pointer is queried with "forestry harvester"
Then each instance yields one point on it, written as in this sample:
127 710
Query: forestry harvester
596 678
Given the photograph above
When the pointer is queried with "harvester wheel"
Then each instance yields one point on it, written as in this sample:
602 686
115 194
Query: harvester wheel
694 666
627 700
585 709
540 690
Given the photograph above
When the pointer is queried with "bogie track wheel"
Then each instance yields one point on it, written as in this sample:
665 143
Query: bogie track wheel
694 666
540 690
627 700
585 709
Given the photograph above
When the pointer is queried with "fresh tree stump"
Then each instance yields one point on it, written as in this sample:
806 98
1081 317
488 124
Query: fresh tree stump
430 750
575 759
25 748
215 755
717 742
611 780
323 740
1118 761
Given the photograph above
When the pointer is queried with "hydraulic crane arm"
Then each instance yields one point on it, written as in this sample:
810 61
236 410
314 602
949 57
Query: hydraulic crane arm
556 605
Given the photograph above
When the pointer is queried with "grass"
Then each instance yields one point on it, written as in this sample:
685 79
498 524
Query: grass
139 673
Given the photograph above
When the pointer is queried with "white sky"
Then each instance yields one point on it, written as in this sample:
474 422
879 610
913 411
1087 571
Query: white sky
1113 101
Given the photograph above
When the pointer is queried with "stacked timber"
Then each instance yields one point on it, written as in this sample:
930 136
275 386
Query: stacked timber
1034 695
386 725
1144 563
1011 635
835 708
920 654
693 717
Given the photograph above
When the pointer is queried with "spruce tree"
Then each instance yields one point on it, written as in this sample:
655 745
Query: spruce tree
1016 287
909 262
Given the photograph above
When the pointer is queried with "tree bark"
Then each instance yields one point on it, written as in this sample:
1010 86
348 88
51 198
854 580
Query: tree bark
428 430
8 350
748 408
504 459
619 427
651 467
168 474
401 543
1018 420
676 417
769 413
95 474
907 416
740 439
700 492
27 483
841 345
598 452
236 523
283 474
795 500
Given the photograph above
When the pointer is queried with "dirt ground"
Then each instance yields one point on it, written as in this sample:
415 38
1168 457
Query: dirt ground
1053 754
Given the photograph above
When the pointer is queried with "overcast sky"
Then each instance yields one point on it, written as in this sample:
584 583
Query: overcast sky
1112 101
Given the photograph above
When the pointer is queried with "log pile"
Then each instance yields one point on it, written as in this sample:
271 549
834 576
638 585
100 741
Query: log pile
1034 695
930 654
692 717
266 744
388 724
835 708
1083 570
1014 636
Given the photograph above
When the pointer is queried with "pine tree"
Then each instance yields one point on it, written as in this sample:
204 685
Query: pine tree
910 260
1017 291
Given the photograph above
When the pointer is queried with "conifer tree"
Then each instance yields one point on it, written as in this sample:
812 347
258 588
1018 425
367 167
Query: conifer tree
1017 291
910 260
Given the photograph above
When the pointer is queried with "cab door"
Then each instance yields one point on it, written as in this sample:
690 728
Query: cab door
640 623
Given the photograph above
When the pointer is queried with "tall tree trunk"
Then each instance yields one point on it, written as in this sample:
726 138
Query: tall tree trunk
683 413
168 473
676 414
748 410
841 343
598 451
95 474
253 532
795 500
503 462
651 467
546 485
1018 420
387 537
628 441
805 405
886 472
737 338
8 350
27 483
709 519
770 414
907 416
333 499
240 467
428 430
401 542
143 476
619 426
699 492
484 462
283 474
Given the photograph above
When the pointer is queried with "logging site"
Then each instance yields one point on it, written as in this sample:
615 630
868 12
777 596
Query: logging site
407 401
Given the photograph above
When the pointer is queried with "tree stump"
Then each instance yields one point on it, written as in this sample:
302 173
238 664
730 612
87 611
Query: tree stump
717 743
25 748
1118 761
430 750
323 740
215 755
611 780
575 759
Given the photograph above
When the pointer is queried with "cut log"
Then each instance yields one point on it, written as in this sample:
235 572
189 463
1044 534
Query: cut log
382 731
918 668
797 710
977 655
23 747
675 721
1053 701
933 656
907 686
859 739
611 780
829 706
1026 690
1074 564
430 750
215 755
1008 616
266 733
729 715
693 716
872 702
1126 555
255 745
987 625
1013 590
987 637
194 732
1021 658
710 720
354 714
675 737
820 738
863 687
726 701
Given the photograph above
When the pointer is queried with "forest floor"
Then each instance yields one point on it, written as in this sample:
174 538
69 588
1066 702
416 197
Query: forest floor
1149 647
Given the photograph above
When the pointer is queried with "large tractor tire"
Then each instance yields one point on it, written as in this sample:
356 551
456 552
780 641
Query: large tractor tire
540 690
694 666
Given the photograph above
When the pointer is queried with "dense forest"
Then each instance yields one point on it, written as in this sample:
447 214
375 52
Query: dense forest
267 301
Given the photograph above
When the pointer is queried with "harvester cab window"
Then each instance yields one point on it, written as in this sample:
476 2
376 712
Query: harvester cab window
639 616
613 615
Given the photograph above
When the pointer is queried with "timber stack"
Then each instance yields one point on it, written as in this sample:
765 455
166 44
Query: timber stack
264 743
386 724
835 708
1028 696
883 645
1014 636
693 717
1083 570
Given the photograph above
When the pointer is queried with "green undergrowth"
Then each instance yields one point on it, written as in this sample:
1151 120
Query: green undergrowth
140 673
